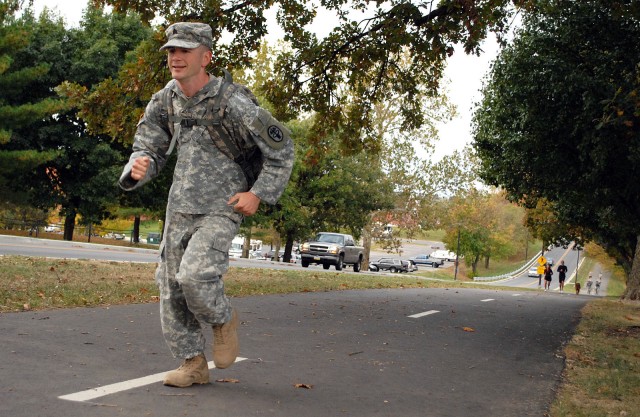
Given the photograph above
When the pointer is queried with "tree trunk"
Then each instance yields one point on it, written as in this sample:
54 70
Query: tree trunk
366 243
288 247
486 262
69 225
474 265
633 280
135 236
246 245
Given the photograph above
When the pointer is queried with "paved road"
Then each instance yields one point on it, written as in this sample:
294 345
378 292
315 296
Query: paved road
417 352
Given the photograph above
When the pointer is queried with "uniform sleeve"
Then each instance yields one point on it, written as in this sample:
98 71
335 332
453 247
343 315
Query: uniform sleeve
152 139
276 145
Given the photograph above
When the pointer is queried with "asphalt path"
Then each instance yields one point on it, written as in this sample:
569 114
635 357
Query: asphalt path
411 352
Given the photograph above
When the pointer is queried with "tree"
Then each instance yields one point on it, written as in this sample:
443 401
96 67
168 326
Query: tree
21 103
81 178
342 76
488 226
558 122
327 190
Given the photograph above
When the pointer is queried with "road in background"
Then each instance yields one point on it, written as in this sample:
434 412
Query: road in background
12 245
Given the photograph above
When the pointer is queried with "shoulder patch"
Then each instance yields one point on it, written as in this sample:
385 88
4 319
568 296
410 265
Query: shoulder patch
269 129
275 133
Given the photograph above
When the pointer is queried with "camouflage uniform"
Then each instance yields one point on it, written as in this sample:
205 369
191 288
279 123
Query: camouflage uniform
199 224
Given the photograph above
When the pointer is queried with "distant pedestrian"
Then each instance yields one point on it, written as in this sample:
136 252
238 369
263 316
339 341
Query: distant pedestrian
548 272
562 273
589 283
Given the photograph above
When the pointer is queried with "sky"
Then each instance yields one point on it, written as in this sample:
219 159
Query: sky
465 74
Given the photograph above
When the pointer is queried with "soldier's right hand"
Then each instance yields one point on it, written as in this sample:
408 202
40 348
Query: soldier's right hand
139 168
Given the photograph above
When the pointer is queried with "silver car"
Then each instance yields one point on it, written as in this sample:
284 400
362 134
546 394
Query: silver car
533 272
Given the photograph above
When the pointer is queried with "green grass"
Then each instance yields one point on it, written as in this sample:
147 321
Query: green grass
150 226
38 283
602 373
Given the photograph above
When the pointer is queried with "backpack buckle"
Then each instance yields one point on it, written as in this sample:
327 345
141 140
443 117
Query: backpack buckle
188 122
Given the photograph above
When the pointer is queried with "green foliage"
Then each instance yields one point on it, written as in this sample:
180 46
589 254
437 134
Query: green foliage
330 191
20 104
63 166
558 121
341 76
488 227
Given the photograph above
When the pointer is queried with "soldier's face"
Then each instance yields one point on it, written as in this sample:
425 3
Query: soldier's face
187 63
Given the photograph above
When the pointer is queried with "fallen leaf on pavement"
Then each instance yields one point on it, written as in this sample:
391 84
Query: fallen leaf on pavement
468 329
305 386
229 380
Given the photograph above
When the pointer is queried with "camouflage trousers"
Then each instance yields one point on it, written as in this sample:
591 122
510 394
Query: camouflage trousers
193 257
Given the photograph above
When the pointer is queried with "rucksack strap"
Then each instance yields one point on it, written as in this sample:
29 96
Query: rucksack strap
217 108
214 115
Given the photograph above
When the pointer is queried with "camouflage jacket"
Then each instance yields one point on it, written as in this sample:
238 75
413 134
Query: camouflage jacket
204 178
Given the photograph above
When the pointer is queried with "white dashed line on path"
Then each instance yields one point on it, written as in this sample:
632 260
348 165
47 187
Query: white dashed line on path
487 300
426 313
94 393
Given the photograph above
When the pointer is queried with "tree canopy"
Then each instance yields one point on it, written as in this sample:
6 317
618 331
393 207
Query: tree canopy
559 123
341 76
68 167
22 104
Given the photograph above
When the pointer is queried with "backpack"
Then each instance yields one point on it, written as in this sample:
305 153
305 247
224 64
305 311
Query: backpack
246 154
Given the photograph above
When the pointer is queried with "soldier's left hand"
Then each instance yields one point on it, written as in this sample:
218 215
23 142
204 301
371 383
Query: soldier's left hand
246 203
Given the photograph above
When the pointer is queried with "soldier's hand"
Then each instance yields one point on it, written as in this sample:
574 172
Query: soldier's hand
245 203
139 168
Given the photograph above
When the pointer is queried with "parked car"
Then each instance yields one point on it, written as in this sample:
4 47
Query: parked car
271 255
411 266
533 272
426 260
117 236
550 261
389 264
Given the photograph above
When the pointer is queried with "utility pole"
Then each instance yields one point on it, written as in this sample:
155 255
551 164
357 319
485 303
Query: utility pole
455 274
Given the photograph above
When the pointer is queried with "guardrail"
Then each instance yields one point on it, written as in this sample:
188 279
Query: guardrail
511 274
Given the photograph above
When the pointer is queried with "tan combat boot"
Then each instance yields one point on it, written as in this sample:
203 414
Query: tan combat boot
225 342
192 371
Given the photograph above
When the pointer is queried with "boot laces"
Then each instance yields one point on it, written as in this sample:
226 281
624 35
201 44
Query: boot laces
218 337
190 364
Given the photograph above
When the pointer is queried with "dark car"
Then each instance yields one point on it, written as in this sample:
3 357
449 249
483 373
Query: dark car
426 260
389 264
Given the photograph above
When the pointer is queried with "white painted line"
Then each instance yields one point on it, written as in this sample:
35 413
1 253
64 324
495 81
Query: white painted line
516 295
487 300
426 313
94 393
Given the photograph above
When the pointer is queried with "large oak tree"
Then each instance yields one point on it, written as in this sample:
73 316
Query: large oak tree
559 123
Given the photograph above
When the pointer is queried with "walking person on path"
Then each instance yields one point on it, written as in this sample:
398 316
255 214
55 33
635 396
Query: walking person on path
562 273
548 272
210 194
589 283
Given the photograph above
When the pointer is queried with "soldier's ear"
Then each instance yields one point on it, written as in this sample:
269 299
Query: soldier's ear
207 57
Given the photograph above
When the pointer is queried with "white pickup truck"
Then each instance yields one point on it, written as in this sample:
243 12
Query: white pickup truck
443 254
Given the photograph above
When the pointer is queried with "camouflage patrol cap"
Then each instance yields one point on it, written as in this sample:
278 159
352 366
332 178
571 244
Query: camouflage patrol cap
188 35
